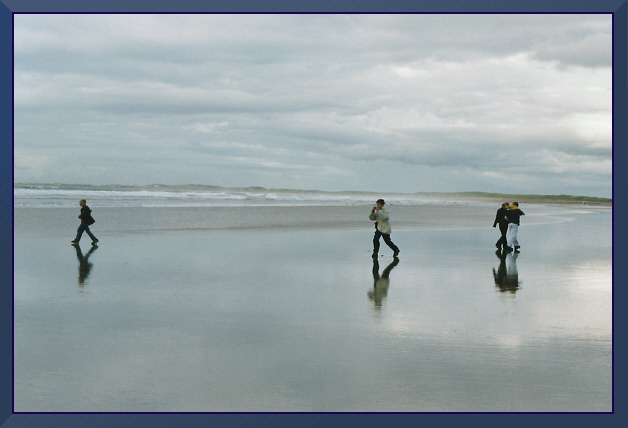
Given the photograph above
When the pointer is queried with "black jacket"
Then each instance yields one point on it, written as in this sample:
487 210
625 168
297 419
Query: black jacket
86 215
500 216
514 215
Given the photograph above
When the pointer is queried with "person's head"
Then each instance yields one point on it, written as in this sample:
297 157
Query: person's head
82 202
505 205
516 204
380 203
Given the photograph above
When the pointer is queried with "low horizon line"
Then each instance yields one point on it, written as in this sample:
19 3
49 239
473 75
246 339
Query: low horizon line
261 188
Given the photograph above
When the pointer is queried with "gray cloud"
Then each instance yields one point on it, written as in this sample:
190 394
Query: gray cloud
520 103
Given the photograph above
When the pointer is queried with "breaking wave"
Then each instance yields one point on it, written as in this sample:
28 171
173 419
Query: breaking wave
47 197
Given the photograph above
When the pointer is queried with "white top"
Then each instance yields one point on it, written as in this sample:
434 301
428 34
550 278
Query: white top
382 218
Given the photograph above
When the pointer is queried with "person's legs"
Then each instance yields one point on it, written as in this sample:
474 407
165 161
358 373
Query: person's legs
89 232
390 243
376 241
503 228
79 232
512 235
84 228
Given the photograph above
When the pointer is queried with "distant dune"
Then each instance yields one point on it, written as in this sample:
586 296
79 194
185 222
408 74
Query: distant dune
537 199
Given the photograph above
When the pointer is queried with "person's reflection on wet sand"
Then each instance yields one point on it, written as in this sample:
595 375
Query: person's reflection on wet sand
380 282
506 275
85 266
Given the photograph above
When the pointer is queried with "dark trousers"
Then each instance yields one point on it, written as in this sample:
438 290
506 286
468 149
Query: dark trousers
503 228
84 228
387 240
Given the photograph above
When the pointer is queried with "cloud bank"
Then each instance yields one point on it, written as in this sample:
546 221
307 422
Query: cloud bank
509 103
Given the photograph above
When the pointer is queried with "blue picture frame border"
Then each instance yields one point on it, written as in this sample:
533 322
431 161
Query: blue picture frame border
619 10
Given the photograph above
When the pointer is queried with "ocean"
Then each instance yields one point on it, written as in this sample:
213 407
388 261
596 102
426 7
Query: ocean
66 196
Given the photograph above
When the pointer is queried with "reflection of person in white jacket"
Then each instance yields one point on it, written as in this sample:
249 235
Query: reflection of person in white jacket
381 282
382 228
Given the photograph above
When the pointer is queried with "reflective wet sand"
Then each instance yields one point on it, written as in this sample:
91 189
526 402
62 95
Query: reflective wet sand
302 319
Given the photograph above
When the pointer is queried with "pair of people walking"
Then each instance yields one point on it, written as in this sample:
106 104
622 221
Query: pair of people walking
508 217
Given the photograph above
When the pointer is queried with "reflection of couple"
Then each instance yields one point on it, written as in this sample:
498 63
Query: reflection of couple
381 282
84 265
506 276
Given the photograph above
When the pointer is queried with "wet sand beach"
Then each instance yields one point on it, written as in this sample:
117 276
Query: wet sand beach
282 309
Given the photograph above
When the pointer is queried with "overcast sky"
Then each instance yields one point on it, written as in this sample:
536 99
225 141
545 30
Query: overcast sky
387 103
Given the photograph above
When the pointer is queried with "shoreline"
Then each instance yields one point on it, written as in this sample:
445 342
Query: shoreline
169 220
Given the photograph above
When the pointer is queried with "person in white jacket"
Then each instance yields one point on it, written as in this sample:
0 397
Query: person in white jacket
382 228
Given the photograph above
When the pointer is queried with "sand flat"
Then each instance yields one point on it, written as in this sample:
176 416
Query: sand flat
172 316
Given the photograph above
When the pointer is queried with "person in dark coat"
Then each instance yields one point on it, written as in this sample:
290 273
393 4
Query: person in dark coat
86 219
501 219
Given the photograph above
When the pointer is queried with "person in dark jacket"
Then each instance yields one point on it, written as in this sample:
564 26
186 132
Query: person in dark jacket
514 215
500 218
86 220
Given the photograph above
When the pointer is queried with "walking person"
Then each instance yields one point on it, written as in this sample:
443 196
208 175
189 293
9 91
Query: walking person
500 218
382 228
514 214
86 221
